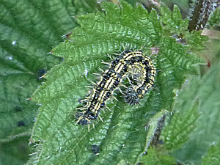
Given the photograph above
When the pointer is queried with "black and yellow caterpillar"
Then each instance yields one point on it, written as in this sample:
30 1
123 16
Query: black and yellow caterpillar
131 65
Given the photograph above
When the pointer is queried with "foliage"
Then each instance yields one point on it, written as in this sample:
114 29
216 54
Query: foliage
15 152
193 127
24 57
84 6
153 126
205 90
30 29
212 157
182 123
214 21
155 157
62 141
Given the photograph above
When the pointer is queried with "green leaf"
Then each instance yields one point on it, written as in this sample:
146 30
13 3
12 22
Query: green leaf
176 26
173 21
213 156
214 20
206 91
155 157
15 152
121 136
182 124
84 6
28 31
153 125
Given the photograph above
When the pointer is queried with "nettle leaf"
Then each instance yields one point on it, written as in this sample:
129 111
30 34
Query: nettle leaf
153 125
121 137
84 6
28 32
173 20
213 156
206 92
155 157
182 124
15 151
214 20
175 26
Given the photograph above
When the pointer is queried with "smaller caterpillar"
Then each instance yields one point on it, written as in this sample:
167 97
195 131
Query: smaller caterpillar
131 64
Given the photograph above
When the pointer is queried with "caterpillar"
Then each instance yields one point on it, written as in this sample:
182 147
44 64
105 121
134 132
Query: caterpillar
131 65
